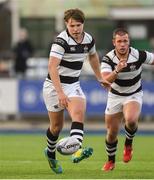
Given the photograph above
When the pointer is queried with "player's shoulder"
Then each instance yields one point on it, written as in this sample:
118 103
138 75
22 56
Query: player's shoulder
88 39
110 54
88 36
62 39
134 52
108 58
63 35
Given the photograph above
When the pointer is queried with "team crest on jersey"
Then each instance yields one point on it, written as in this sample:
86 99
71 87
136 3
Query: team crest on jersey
132 67
72 48
85 49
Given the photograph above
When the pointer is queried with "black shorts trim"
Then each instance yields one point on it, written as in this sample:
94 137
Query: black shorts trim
66 79
125 94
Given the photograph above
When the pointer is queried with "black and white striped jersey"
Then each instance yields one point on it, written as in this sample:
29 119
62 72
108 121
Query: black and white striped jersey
72 55
128 81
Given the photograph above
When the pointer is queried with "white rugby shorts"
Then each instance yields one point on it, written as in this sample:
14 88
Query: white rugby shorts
50 96
115 102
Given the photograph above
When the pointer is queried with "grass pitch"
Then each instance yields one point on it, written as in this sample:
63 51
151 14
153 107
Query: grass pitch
22 157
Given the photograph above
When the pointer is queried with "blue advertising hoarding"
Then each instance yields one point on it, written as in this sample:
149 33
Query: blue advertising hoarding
30 97
148 98
96 97
31 100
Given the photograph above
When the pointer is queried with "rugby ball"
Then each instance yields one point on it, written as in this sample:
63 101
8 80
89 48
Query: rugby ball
68 145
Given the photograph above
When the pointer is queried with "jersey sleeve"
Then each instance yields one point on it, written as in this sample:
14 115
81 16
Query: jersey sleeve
149 57
146 57
105 65
92 47
58 48
92 50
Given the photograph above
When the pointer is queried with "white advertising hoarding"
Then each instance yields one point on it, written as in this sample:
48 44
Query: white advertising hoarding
8 96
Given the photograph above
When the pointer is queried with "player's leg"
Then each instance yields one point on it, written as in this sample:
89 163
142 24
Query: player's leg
113 117
55 114
112 124
76 109
56 124
131 111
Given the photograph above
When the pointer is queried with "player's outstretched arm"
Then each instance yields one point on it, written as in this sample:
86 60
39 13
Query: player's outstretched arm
95 64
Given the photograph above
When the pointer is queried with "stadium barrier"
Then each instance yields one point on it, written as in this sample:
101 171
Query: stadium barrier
25 97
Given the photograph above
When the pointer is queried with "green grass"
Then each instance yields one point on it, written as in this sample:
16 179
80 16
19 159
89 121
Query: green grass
22 157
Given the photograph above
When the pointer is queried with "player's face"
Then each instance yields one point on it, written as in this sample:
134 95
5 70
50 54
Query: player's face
75 28
121 44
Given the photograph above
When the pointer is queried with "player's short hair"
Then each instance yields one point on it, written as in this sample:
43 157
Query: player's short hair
75 14
119 31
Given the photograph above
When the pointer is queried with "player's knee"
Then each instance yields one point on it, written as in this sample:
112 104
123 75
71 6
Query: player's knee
132 118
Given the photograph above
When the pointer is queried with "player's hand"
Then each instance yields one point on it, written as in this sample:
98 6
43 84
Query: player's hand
122 64
63 100
104 83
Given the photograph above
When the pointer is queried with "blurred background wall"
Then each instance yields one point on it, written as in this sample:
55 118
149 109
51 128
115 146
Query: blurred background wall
43 20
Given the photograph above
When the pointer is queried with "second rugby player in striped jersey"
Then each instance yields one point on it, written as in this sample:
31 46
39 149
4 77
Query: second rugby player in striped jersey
62 88
123 67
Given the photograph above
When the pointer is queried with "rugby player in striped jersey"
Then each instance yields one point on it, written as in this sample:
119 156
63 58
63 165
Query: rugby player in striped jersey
62 89
122 67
